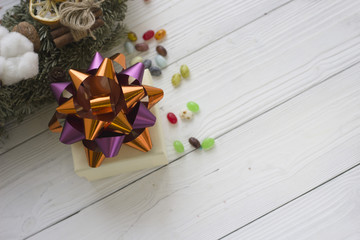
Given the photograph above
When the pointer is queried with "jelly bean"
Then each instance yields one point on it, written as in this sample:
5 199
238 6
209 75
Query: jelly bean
186 114
148 35
160 34
136 60
155 71
132 36
194 142
208 143
176 79
147 63
184 70
172 118
179 147
129 47
193 106
161 50
142 47
160 61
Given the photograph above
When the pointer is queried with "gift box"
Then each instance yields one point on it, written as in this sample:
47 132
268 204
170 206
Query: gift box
128 159
109 118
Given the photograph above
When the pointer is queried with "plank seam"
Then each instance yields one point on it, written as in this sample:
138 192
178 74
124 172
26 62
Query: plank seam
26 140
290 201
197 50
242 124
73 214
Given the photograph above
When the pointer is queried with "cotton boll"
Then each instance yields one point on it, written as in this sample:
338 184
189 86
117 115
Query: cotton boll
28 65
14 44
3 32
17 59
2 66
10 72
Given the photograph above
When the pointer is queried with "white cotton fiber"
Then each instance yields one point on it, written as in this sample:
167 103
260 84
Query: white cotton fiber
17 58
2 65
10 74
28 65
3 32
14 44
19 68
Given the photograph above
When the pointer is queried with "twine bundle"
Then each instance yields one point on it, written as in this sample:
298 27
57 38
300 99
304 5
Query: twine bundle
79 17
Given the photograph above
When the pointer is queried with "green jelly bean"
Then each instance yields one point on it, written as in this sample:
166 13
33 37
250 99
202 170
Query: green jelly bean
193 106
179 147
208 143
176 79
184 70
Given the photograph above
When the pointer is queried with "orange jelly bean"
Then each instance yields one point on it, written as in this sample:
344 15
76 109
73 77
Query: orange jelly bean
160 34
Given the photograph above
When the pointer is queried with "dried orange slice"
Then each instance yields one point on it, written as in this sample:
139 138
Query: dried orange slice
45 11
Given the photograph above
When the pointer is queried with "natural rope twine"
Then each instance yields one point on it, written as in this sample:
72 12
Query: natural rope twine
78 16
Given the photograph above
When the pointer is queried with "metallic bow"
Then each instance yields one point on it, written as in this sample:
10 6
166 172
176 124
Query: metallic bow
105 109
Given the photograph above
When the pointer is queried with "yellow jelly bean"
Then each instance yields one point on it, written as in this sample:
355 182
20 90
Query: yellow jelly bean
132 36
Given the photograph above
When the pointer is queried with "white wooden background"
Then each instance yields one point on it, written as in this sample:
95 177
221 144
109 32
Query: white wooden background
278 83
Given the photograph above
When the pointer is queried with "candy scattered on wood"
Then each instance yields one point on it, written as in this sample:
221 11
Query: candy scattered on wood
193 106
186 114
179 147
172 118
136 60
147 63
194 142
208 143
184 70
160 34
129 47
161 50
142 47
176 79
155 71
148 35
160 61
132 36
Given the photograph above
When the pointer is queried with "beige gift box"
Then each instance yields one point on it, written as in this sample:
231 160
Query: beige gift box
128 159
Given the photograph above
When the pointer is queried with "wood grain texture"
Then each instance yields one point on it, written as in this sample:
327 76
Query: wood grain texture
31 126
176 17
331 211
273 59
7 4
18 164
253 169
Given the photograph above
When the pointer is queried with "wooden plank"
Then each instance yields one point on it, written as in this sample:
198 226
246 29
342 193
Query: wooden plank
329 212
195 24
31 126
270 66
176 17
252 170
6 4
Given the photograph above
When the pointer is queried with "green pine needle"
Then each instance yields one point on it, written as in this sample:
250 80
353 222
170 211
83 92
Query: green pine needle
25 97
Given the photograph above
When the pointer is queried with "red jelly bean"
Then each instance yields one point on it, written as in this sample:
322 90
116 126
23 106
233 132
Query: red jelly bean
172 118
148 35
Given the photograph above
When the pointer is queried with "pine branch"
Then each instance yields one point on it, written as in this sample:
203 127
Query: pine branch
25 97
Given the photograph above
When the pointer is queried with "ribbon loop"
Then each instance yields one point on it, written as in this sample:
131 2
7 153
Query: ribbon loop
105 108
